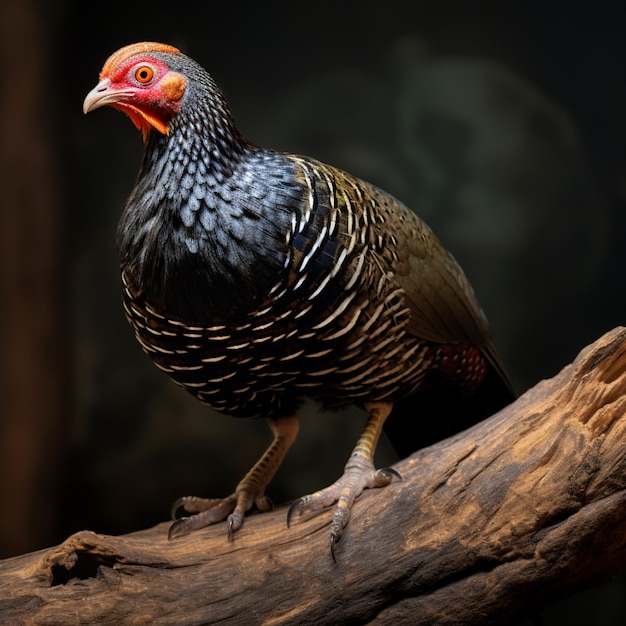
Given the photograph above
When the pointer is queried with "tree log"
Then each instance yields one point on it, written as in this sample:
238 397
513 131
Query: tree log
523 508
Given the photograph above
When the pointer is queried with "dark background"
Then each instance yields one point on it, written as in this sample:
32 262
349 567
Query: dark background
500 123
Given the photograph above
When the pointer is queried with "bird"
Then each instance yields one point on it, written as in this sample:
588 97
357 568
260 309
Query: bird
257 279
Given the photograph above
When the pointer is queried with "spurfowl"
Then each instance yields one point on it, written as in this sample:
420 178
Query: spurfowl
256 278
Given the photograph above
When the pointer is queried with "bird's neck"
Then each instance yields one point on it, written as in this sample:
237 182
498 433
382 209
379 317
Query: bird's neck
204 134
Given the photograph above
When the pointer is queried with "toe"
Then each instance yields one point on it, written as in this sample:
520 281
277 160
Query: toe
192 504
359 475
217 512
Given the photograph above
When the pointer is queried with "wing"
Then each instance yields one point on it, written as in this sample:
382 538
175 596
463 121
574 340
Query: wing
443 306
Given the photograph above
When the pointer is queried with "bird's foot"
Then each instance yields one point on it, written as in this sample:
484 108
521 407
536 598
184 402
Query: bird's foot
192 513
359 474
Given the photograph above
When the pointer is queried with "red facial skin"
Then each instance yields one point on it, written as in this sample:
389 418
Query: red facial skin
141 86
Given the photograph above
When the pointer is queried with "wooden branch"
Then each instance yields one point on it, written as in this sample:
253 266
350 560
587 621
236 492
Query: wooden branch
522 508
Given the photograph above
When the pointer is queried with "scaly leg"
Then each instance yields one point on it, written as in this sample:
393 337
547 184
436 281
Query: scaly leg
250 491
359 474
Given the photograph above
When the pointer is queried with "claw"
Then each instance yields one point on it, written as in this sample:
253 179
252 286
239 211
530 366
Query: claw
179 528
390 470
292 509
178 509
229 526
334 540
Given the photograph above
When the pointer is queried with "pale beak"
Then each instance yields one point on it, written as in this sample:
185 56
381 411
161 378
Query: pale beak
102 94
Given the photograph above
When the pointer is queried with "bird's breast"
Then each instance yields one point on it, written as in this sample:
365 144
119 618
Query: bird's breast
341 342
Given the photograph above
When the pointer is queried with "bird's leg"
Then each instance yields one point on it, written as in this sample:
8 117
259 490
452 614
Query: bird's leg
201 512
359 474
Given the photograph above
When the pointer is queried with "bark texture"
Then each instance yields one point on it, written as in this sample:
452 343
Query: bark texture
523 508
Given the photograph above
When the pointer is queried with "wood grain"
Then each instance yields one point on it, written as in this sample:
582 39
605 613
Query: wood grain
525 507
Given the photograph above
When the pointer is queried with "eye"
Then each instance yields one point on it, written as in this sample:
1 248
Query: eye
144 74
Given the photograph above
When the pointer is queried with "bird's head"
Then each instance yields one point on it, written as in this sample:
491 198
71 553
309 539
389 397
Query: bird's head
137 80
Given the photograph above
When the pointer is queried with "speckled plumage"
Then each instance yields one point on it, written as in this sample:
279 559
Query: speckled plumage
255 278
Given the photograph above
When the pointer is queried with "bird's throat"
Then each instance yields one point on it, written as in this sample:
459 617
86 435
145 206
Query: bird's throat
143 119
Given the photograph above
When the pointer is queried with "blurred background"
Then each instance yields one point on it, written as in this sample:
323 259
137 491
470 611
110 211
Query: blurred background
500 123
